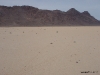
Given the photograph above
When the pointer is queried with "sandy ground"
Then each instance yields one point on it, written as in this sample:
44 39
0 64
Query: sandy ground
50 50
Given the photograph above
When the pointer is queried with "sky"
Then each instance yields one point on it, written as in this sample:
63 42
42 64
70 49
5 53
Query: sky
92 6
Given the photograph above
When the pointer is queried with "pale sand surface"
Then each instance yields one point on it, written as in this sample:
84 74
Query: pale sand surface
49 50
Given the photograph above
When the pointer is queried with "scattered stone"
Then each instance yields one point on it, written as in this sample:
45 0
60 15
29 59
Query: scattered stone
10 32
76 62
51 43
74 41
56 31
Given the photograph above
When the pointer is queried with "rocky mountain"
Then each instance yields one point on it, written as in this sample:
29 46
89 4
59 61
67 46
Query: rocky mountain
32 16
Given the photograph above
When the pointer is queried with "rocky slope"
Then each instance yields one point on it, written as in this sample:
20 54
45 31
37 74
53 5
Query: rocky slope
31 16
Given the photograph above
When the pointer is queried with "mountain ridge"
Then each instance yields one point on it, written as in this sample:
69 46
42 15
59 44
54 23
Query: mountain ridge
32 16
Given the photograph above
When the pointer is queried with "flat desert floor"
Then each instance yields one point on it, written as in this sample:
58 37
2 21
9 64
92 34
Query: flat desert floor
50 50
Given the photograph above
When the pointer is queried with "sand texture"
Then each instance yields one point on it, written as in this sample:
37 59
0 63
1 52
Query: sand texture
50 50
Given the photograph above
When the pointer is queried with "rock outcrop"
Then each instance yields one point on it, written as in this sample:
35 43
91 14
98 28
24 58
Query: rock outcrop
32 16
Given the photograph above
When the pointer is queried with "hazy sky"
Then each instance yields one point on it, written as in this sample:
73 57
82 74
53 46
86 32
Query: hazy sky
93 6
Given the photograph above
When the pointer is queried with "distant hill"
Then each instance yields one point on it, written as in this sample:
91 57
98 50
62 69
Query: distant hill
32 16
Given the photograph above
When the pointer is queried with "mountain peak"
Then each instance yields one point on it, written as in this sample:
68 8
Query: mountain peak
86 13
73 11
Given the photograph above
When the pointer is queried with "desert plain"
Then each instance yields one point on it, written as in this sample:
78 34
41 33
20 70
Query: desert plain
50 50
